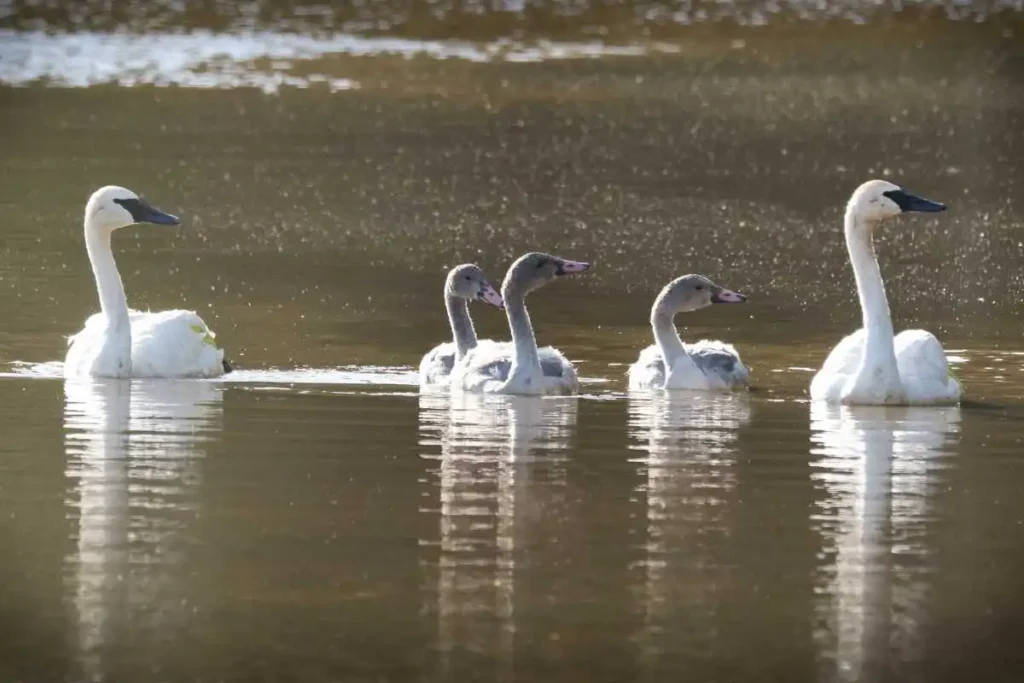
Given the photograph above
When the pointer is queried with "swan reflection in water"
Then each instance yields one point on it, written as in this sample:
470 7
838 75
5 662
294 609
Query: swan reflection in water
877 468
132 453
499 472
689 443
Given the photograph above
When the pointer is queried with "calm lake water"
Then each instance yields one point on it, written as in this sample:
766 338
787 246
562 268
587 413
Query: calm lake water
314 517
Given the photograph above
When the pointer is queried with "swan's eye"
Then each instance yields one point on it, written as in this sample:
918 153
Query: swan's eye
700 287
468 278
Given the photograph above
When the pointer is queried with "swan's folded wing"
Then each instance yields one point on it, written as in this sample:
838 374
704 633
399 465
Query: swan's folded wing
487 362
648 372
923 367
845 358
919 354
842 362
719 361
554 364
436 366
491 361
174 344
95 324
494 359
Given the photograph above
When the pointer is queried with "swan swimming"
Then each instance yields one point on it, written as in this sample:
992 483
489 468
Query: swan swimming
118 342
704 366
870 366
463 284
520 367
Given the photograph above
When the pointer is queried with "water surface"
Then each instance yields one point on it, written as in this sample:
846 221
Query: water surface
315 516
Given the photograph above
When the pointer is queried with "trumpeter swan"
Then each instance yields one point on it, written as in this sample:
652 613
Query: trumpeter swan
118 342
871 366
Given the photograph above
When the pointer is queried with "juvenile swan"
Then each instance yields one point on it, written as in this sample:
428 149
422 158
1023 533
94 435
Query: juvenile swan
464 283
118 342
521 368
704 366
870 367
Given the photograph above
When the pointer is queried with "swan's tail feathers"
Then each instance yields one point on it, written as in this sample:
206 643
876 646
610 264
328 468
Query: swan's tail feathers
227 366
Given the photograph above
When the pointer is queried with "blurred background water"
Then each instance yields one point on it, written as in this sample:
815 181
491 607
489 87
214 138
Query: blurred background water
314 516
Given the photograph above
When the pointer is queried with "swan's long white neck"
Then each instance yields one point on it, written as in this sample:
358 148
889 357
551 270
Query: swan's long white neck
525 356
665 334
462 325
870 288
113 302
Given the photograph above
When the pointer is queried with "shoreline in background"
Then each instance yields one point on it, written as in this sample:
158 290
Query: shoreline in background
623 21
270 60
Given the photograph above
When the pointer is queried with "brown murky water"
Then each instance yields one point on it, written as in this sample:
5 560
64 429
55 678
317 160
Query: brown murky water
314 517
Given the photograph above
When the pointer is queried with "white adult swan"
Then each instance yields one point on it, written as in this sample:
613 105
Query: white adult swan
118 342
464 283
704 366
520 367
870 366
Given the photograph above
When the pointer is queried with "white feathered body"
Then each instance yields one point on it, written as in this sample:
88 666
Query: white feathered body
706 366
487 367
921 375
163 344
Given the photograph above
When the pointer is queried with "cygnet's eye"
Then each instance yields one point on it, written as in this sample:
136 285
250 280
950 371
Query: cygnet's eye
468 278
700 287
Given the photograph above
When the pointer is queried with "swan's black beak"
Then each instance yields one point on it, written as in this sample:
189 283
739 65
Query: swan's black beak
911 202
144 213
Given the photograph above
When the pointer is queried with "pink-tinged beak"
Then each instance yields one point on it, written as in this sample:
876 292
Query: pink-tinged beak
491 296
727 296
566 267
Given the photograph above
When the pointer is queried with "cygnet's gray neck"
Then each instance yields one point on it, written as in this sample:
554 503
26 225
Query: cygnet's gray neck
665 334
462 325
523 339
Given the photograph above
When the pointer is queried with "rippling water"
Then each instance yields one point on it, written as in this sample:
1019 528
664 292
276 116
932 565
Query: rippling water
315 516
